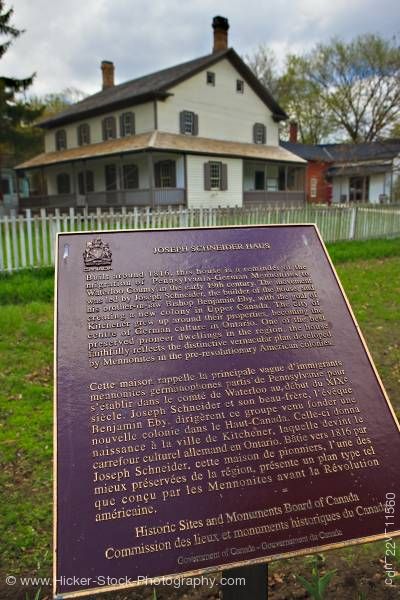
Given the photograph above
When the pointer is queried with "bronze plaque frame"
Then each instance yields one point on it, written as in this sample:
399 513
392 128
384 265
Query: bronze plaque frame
221 565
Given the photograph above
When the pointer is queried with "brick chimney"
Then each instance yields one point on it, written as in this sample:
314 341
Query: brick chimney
220 26
293 130
107 69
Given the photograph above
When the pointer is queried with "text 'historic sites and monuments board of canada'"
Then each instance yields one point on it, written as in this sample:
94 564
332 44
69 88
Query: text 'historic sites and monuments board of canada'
215 405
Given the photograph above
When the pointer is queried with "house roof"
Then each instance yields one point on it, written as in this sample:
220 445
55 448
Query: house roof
340 153
156 86
161 141
359 168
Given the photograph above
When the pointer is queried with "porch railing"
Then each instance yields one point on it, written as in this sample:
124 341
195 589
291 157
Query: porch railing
143 197
271 199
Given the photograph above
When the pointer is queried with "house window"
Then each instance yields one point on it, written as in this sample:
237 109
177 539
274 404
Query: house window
313 187
189 123
61 139
210 78
240 86
131 177
5 187
83 134
295 179
85 182
215 176
276 178
127 124
165 174
109 128
63 183
359 189
110 173
259 133
259 180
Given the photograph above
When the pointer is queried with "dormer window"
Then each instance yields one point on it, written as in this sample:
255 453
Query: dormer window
109 128
240 86
189 123
61 139
259 133
83 134
210 78
127 124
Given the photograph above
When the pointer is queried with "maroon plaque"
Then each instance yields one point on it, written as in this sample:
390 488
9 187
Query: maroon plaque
216 405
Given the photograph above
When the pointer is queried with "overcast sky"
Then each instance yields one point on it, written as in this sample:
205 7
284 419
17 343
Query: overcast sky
66 40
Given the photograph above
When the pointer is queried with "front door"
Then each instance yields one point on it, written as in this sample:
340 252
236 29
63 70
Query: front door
359 189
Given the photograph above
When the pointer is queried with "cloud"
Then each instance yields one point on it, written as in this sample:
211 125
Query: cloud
64 43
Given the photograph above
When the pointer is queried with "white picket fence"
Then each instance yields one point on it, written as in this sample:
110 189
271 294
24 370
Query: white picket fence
28 240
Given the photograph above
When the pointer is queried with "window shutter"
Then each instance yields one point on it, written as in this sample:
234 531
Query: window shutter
103 126
157 175
224 176
121 126
133 123
255 133
182 121
257 129
81 183
136 178
207 176
195 124
88 133
63 184
113 127
79 135
173 173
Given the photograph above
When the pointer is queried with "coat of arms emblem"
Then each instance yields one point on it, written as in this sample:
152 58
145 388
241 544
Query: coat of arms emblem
97 254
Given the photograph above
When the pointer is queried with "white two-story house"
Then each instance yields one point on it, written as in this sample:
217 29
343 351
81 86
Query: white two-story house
200 134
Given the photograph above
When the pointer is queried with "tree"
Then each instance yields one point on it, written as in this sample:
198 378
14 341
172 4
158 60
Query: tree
295 92
57 102
301 99
264 65
359 83
395 131
339 90
16 115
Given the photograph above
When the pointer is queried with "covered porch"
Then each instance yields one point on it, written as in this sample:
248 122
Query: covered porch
273 184
153 179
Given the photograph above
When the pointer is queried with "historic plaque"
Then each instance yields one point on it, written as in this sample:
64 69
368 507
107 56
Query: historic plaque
215 405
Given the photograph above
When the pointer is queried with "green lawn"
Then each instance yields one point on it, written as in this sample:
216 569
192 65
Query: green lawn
369 271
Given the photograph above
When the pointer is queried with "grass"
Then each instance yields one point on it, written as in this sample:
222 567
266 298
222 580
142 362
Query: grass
369 272
341 252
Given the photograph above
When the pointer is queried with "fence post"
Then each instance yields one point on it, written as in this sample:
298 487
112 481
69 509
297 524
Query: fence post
22 244
13 220
28 217
8 256
353 223
1 246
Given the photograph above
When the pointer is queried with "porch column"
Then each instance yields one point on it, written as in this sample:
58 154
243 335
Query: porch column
186 179
43 192
120 178
286 181
74 186
364 189
150 167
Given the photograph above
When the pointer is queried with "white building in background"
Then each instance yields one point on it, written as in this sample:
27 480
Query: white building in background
367 172
200 134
